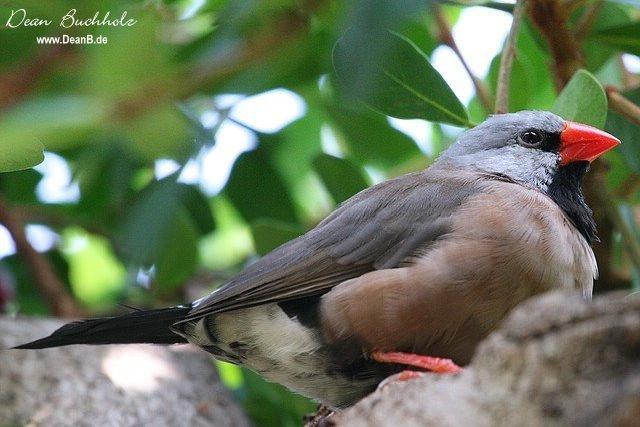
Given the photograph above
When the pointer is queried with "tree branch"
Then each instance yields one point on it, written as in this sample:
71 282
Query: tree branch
20 80
446 37
621 105
51 216
263 46
629 79
50 286
629 187
506 62
551 17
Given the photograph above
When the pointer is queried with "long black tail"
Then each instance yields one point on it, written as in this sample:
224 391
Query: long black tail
143 326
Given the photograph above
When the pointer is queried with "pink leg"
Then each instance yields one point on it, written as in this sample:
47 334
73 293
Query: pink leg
405 375
433 364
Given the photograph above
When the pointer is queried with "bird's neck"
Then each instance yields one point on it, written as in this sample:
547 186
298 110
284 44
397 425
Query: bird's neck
566 191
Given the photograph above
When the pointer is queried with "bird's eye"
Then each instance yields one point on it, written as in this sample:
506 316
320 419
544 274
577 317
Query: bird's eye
531 138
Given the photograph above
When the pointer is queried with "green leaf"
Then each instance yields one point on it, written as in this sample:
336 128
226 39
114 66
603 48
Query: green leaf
634 3
162 131
417 28
272 405
56 122
632 239
341 177
268 234
369 138
257 190
27 296
161 229
597 53
177 254
119 69
23 156
96 277
624 37
400 82
230 374
129 61
19 186
231 243
627 132
104 173
150 216
199 209
300 140
52 123
583 100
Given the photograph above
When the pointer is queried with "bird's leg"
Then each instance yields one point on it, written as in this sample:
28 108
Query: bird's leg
405 375
428 363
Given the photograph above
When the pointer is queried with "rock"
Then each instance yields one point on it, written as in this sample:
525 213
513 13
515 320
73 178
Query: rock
114 385
557 360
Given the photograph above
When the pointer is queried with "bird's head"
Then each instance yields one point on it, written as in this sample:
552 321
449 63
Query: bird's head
531 147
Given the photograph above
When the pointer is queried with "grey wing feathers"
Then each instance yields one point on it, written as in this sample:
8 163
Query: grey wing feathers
380 227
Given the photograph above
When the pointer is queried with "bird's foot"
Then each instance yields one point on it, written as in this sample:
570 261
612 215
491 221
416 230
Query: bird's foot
405 375
320 418
428 363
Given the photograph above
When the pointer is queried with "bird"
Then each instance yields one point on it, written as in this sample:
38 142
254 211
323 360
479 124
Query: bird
410 273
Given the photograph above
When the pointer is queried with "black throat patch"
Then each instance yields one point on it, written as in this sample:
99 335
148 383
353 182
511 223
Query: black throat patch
566 191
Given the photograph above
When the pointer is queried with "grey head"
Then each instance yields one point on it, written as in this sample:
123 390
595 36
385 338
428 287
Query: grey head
527 147
523 146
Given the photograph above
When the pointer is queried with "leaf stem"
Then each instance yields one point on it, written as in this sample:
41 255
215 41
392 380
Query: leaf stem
506 62
446 37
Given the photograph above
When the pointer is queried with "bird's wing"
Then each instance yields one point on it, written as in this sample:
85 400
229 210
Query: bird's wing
378 228
504 245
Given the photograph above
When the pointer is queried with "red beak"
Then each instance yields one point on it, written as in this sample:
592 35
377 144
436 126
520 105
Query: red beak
584 143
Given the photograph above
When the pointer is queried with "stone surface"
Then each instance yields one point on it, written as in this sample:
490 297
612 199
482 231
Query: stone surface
557 360
126 385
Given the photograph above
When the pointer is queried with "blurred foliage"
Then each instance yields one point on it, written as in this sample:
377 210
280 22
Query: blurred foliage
167 89
582 100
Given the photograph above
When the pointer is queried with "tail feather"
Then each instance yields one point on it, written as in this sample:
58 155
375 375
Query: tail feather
143 326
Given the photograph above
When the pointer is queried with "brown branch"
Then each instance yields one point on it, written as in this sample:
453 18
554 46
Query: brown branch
629 79
446 37
629 187
54 218
622 106
551 17
265 45
574 4
506 62
50 286
22 78
587 19
208 74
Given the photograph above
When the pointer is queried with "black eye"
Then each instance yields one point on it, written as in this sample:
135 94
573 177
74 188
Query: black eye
531 138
